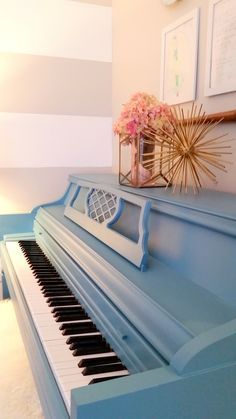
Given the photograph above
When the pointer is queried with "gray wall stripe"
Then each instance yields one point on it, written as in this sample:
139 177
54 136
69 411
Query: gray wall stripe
53 85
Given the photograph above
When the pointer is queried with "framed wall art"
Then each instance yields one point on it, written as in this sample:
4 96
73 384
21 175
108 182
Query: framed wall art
179 59
221 48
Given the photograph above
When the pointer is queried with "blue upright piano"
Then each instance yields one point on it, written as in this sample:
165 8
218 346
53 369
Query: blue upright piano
126 300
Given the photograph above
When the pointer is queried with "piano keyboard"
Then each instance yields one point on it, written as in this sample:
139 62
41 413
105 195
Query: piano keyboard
77 352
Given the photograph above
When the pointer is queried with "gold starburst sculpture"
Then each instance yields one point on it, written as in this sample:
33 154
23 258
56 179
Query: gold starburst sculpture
186 151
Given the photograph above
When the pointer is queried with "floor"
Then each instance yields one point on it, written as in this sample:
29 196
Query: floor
18 395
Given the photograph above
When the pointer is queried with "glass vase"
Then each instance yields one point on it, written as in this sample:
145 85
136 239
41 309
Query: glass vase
142 163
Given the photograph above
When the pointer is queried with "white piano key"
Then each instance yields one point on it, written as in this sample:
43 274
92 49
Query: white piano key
70 371
57 342
61 354
65 372
38 307
51 333
44 319
64 365
79 380
60 365
63 358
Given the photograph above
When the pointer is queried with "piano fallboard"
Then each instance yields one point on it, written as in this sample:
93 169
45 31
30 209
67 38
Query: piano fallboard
168 311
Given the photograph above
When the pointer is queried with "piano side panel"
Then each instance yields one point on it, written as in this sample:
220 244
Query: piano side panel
210 349
52 403
160 394
199 246
16 223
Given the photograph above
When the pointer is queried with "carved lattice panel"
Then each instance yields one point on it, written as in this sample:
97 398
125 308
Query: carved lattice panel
102 205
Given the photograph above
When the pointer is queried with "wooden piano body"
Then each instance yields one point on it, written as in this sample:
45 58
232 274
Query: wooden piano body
172 322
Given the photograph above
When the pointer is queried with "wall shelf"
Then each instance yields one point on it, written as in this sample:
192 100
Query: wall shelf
227 116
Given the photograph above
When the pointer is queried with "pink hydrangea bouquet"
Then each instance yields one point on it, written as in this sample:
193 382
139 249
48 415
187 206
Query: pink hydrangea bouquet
143 111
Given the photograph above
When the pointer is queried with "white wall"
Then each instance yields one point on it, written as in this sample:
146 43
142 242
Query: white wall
55 100
137 28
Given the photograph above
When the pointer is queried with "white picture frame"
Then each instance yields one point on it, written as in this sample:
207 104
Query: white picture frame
179 58
221 48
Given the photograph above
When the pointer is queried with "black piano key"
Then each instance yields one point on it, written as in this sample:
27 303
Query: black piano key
36 254
101 379
90 350
46 275
56 293
49 277
75 310
70 331
89 362
79 326
37 258
51 284
38 261
33 249
64 310
40 266
28 242
69 298
70 317
43 271
54 287
51 281
91 343
61 302
102 369
79 340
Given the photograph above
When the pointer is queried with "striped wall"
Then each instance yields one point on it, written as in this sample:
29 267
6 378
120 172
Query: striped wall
55 92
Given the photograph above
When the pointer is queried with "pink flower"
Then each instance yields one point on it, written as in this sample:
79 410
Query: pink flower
132 128
142 111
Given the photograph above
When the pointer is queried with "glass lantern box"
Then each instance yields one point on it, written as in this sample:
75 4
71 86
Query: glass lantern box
144 162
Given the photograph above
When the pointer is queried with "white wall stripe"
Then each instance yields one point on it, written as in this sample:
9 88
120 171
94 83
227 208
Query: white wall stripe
58 28
34 140
25 188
